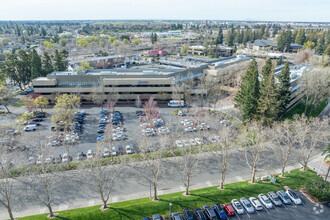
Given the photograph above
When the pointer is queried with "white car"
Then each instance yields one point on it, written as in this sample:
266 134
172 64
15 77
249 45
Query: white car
294 197
237 206
203 126
193 142
179 143
66 158
180 113
54 143
32 161
186 143
129 149
90 154
256 203
106 152
265 201
163 130
184 121
190 129
39 160
247 205
30 128
198 141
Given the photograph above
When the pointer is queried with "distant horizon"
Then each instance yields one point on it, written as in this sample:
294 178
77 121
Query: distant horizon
238 10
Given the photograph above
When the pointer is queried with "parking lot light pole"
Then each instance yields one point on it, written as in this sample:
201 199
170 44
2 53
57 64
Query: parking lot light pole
170 209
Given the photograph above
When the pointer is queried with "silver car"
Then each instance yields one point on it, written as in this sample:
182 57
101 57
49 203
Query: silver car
284 197
237 206
293 196
256 203
265 201
274 198
247 205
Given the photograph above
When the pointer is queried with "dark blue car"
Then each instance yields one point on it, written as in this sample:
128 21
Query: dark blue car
220 211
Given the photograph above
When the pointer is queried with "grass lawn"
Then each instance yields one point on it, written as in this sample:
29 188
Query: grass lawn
300 108
136 209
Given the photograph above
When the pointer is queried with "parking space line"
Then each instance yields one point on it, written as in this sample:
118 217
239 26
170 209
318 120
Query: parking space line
264 207
275 207
237 215
257 212
285 206
293 204
246 213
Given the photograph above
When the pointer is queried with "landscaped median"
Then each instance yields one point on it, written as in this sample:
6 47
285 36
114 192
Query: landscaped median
136 209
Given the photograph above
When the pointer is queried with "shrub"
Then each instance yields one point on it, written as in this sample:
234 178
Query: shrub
319 189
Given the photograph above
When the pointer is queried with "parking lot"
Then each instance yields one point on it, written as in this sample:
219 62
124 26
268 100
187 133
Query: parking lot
306 210
178 135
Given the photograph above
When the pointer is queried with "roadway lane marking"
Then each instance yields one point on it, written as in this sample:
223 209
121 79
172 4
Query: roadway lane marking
239 178
91 203
208 183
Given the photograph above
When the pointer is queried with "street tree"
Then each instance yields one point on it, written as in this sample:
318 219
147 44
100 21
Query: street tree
43 179
326 151
98 95
41 102
312 133
6 96
254 139
102 178
285 136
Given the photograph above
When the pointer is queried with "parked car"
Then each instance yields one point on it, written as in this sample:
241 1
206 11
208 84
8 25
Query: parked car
58 159
34 123
255 203
203 126
55 143
30 128
66 158
179 143
237 206
32 161
220 211
294 197
12 132
188 215
229 209
186 143
37 119
156 217
247 205
90 154
209 212
49 160
284 197
193 142
40 115
176 216
129 149
190 129
274 198
106 152
145 218
198 141
200 214
81 156
265 201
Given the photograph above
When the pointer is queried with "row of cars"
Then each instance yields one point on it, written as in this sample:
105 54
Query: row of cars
33 122
245 205
115 120
191 126
152 124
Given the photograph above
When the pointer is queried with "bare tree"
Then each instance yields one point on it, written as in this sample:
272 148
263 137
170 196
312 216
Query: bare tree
98 95
254 140
312 133
285 137
6 183
187 165
222 151
43 179
315 86
138 101
102 177
152 166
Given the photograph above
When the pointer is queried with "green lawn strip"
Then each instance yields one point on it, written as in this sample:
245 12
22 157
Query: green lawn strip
136 209
300 108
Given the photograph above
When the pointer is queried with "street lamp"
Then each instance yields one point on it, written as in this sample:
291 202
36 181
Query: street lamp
170 209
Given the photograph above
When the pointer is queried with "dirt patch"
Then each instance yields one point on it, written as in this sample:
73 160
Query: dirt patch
184 194
55 214
103 209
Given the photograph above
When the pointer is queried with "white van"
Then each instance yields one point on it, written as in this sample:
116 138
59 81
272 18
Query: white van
30 128
176 103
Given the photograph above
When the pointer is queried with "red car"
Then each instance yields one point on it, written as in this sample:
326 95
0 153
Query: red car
229 209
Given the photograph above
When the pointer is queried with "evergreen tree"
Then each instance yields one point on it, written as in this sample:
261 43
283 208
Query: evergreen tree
247 96
238 36
229 38
47 64
219 39
36 67
284 40
320 46
266 35
43 32
275 31
283 90
301 37
60 63
267 103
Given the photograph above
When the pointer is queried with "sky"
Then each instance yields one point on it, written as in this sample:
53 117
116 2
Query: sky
265 10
